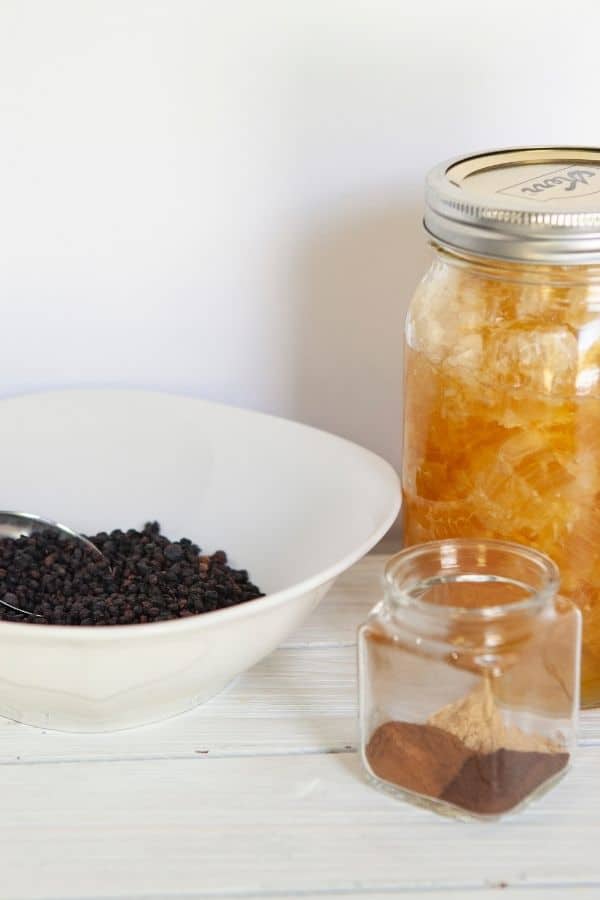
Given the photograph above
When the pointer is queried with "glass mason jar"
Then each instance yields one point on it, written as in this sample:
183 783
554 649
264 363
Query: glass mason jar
502 367
469 677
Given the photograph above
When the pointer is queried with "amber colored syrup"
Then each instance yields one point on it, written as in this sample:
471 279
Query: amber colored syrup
497 452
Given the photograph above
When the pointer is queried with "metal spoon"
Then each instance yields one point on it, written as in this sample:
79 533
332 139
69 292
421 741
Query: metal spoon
14 525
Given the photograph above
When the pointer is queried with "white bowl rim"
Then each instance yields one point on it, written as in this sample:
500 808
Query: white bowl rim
143 630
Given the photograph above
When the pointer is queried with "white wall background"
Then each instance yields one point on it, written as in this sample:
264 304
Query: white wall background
224 198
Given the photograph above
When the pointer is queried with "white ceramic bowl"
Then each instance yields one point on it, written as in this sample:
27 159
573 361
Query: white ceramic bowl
293 505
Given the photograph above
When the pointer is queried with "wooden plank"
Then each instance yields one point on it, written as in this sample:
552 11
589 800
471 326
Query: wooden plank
589 727
550 892
294 701
244 826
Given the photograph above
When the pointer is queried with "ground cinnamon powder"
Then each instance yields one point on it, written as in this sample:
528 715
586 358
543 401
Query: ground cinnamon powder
459 757
420 758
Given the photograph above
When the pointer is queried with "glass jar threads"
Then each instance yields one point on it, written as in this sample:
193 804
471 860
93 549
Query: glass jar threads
502 388
469 677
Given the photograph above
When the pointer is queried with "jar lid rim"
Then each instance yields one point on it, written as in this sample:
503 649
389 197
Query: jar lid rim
522 204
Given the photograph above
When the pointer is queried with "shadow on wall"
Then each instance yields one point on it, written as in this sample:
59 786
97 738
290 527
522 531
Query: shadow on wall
355 277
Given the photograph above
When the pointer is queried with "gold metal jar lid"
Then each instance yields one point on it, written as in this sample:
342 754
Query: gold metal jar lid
529 204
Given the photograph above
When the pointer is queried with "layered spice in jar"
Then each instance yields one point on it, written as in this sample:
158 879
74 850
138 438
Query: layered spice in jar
502 367
468 678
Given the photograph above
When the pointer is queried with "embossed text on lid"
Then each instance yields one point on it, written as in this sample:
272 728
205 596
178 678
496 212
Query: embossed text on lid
537 204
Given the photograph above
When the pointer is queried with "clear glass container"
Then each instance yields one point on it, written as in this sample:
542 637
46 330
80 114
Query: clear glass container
469 678
502 367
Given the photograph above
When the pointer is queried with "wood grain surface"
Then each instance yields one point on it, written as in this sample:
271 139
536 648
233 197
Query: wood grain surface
260 794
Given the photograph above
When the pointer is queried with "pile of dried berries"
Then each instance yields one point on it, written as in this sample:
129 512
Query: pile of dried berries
143 578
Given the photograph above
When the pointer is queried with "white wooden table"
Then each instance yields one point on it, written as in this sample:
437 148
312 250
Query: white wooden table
259 793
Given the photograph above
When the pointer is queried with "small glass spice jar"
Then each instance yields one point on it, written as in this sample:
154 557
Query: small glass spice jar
469 677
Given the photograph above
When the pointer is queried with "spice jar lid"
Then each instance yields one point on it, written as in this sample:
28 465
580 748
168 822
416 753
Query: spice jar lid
529 204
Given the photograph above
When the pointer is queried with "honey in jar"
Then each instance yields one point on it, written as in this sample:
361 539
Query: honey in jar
502 367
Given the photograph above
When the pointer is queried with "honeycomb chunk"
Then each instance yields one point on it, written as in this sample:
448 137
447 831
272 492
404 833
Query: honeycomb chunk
502 423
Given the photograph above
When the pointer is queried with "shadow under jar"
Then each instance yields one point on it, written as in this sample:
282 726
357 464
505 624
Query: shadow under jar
502 367
469 678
